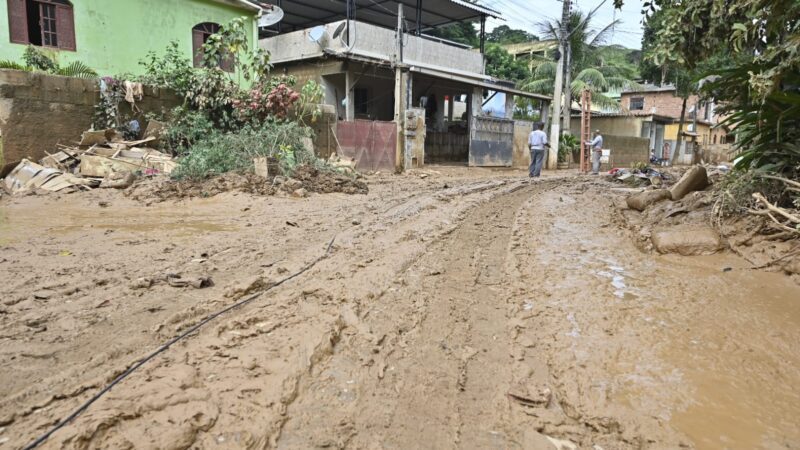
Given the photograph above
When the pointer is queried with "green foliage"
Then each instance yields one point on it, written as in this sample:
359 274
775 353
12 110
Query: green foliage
735 192
221 127
7 64
500 64
594 66
219 153
76 69
758 42
186 128
172 71
768 130
308 106
567 145
461 32
503 35
37 60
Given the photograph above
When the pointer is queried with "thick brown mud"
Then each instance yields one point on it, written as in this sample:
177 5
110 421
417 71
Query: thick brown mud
465 309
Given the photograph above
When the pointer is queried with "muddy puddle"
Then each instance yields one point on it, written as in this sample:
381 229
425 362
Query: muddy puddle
726 347
700 344
739 357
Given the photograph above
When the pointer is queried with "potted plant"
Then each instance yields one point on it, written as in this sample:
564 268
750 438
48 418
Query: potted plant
566 147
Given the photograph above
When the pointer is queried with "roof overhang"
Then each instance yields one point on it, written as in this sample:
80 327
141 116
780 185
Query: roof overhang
244 4
485 82
301 14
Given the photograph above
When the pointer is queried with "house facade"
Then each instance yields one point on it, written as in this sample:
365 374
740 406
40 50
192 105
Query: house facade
400 98
112 36
702 129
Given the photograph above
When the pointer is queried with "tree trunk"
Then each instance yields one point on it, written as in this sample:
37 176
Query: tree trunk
679 140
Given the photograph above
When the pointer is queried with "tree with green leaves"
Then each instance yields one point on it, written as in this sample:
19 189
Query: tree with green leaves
592 71
759 85
504 35
500 64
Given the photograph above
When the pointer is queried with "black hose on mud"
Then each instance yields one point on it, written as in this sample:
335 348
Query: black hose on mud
169 344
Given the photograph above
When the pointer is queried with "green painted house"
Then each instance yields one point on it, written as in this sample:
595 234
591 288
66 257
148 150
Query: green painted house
112 36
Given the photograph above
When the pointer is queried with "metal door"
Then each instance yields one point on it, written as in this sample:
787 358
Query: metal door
491 142
372 144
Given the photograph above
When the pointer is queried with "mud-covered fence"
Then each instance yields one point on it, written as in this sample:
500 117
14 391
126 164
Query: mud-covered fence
373 144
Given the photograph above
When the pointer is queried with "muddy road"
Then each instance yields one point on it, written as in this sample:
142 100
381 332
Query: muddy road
457 309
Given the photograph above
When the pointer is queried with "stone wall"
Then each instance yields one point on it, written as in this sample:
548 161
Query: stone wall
39 111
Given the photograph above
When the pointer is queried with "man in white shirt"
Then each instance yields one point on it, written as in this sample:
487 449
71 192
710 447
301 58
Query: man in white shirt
537 141
597 151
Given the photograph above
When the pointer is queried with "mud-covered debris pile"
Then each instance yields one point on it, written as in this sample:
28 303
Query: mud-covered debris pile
102 159
683 220
305 180
326 182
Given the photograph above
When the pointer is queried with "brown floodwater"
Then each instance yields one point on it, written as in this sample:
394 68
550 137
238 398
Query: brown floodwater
729 343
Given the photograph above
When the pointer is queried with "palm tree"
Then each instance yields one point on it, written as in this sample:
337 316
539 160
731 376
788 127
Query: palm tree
592 70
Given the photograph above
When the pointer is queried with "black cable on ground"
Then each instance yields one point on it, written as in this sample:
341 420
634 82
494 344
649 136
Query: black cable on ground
167 345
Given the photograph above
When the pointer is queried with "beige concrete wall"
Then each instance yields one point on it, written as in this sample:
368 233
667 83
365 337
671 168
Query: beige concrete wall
373 42
522 155
39 111
617 125
626 150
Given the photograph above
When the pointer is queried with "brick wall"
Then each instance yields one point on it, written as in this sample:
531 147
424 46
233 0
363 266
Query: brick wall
665 103
39 111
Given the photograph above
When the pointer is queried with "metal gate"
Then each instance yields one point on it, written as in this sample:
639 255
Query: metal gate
492 142
372 144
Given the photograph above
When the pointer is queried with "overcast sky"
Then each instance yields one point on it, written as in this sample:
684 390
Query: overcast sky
525 14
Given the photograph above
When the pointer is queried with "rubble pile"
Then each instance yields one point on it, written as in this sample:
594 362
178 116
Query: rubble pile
101 159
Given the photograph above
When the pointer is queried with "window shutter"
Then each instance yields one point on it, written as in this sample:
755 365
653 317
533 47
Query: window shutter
18 21
65 27
197 47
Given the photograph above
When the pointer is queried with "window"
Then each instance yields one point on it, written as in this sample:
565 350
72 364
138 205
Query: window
636 104
200 35
44 23
360 100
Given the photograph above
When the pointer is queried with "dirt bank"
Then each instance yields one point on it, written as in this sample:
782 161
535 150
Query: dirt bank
461 309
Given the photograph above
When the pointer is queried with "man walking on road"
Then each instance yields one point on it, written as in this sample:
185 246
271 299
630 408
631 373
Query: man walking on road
537 141
597 151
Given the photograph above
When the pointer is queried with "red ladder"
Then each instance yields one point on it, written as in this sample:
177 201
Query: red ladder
586 129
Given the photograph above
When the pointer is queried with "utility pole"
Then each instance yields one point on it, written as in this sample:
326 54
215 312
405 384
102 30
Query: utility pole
565 127
555 122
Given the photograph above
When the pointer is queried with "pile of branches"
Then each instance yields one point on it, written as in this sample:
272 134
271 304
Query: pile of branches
785 219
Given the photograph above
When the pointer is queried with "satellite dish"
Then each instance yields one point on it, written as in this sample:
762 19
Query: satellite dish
339 30
318 35
270 17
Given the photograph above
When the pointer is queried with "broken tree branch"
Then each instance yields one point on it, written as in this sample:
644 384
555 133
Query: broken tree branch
785 180
761 199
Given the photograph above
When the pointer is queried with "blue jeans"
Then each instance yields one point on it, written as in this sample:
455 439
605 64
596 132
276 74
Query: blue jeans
537 158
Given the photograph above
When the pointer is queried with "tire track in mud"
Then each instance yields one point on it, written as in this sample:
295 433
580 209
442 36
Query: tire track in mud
426 364
191 379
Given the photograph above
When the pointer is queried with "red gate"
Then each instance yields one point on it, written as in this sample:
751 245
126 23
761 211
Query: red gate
372 144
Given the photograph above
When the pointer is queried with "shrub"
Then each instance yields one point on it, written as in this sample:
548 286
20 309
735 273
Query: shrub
234 151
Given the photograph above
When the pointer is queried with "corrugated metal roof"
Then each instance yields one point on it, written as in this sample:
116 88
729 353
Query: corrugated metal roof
302 14
478 7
